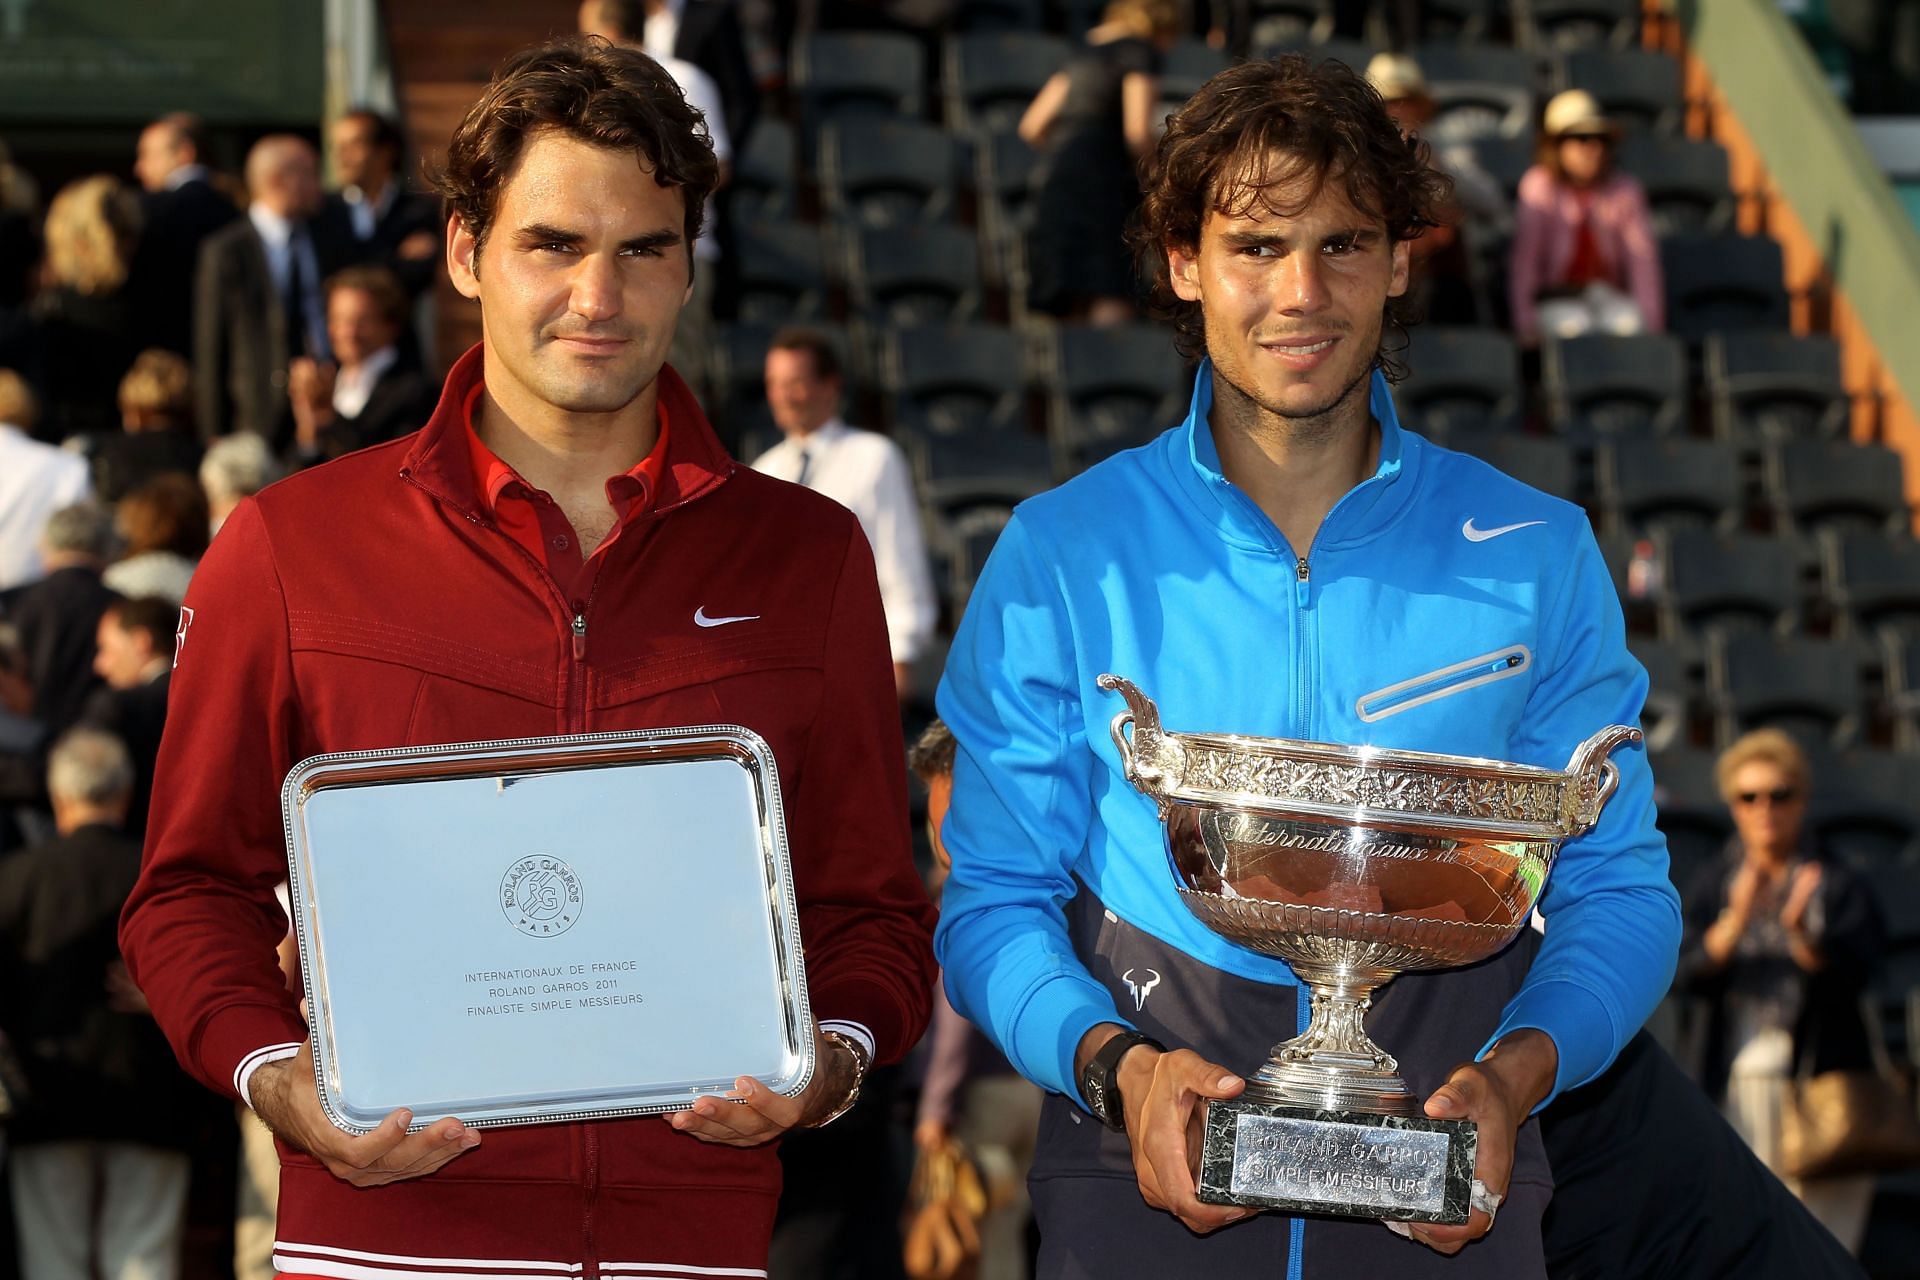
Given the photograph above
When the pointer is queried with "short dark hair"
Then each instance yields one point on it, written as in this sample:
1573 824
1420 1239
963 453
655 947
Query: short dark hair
384 133
931 755
588 89
378 283
167 513
188 128
819 348
158 616
1219 152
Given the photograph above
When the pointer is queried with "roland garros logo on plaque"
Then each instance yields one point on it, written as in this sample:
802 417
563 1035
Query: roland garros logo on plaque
540 895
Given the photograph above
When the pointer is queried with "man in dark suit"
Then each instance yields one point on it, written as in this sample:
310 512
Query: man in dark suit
56 618
377 391
703 32
180 209
257 298
134 655
375 215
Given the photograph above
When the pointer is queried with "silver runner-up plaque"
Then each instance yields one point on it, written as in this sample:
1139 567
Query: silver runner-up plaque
1352 864
546 929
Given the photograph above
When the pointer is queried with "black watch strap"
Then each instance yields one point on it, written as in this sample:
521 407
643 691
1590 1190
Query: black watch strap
1099 1083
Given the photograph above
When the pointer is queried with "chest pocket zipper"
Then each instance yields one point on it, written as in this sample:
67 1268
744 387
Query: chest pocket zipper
1501 664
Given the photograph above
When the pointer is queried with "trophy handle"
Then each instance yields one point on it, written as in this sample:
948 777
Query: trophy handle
1146 754
1598 777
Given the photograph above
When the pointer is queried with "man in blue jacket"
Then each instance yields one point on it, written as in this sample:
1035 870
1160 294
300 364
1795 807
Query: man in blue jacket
1286 562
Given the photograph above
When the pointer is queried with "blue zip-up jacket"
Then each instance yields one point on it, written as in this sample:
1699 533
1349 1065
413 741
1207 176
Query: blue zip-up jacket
1443 606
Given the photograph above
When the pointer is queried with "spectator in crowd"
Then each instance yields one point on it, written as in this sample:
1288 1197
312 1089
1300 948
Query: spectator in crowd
622 22
163 530
970 1092
1476 212
1585 258
376 392
36 480
564 455
58 617
706 33
235 468
181 208
862 471
1781 941
375 216
134 656
84 318
156 435
1092 122
19 262
257 303
98 1168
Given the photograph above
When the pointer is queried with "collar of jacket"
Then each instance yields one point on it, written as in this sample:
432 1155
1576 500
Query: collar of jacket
1362 514
438 462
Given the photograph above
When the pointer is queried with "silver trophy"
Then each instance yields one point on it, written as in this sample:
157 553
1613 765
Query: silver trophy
1352 864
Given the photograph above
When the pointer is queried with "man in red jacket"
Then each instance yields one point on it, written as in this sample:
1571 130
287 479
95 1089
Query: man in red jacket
564 548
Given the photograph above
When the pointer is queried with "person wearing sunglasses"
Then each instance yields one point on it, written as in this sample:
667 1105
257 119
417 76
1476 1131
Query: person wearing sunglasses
1585 258
1780 942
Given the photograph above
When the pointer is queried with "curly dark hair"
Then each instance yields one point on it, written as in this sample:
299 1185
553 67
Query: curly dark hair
1264 126
589 89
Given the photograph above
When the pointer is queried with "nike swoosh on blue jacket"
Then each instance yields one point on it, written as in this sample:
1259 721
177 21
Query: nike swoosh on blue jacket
1393 629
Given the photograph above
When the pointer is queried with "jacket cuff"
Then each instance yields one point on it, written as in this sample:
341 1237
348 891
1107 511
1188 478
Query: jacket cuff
1048 1030
867 1012
243 1074
234 1039
1578 1022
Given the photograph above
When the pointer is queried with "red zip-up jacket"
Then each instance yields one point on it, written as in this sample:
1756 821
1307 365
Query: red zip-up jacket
372 603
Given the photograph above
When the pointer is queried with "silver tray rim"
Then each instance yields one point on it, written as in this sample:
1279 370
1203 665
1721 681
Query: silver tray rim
300 782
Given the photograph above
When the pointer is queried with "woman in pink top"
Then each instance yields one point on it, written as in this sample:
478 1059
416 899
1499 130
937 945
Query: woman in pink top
1585 258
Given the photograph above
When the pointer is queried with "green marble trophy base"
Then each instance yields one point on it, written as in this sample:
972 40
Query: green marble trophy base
1347 1163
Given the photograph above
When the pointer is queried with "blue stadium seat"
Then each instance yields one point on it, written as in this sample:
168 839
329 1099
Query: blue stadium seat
1667 483
1673 690
1864 807
1602 386
1872 580
1718 283
1774 386
992 76
1688 189
1831 484
764 174
1460 377
887 173
1809 687
1545 464
1112 388
782 272
957 378
1575 24
1717 582
1640 88
1688 810
915 275
842 73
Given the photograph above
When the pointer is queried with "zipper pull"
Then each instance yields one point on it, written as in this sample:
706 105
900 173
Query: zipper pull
579 637
1301 582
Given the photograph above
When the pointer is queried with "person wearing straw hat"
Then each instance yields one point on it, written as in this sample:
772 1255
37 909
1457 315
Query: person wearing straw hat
1585 259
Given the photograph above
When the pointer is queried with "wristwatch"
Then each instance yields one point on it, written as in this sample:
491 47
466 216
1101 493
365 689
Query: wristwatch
860 1064
1099 1081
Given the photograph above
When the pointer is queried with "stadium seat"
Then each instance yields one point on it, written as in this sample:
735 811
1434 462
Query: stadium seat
1864 806
1672 693
1464 61
1811 688
1459 377
1273 23
1688 810
1001 15
888 173
1462 21
957 469
1004 170
1506 160
1719 283
1187 66
782 269
1686 181
763 175
1639 88
992 76
1775 386
1604 386
962 543
841 73
1544 464
1832 484
1113 388
958 378
1667 483
1903 686
1897 888
915 275
1725 582
1872 580
1572 24
1479 91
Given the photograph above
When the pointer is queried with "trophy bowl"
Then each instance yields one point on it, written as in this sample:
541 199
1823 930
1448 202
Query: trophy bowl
1352 864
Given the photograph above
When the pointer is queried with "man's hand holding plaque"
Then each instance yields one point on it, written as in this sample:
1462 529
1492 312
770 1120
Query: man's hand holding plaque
751 1113
285 1096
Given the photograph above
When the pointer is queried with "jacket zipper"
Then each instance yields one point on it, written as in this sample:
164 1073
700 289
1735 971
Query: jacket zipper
1303 664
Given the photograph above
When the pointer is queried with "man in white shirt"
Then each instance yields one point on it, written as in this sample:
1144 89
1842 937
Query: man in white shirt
862 471
36 480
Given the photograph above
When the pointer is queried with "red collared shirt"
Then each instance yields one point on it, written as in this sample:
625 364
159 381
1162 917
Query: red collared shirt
533 519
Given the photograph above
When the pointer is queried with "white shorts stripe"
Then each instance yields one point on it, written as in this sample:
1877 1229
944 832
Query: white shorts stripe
467 1265
293 1263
